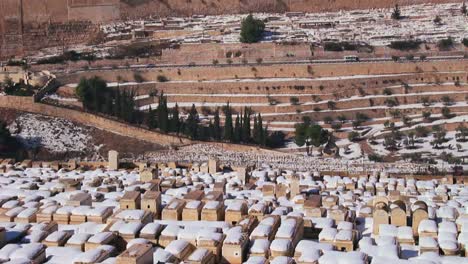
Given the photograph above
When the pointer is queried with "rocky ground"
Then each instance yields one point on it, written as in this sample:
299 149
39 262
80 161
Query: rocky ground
49 138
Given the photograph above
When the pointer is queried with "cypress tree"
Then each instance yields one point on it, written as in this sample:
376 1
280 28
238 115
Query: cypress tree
216 126
151 119
255 134
163 114
261 132
228 129
117 104
246 126
108 104
175 119
264 136
237 130
191 126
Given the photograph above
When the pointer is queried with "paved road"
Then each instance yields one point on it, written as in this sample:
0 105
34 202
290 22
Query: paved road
267 63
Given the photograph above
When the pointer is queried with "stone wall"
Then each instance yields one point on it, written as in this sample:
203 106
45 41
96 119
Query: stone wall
27 25
184 7
23 21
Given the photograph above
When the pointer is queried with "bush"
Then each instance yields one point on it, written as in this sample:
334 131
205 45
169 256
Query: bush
138 78
336 126
445 44
387 91
405 44
328 120
332 46
251 30
375 158
465 42
391 102
421 131
162 78
294 100
446 100
446 113
426 115
353 136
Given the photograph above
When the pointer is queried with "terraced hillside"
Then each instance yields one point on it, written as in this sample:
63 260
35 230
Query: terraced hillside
370 98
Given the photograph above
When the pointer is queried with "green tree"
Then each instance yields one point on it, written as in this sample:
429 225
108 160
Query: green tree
151 119
216 126
251 30
262 132
191 124
175 119
237 130
163 113
427 115
446 113
228 126
396 13
246 125
462 133
310 135
353 136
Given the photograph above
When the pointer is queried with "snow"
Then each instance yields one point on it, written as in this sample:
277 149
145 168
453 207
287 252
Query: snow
90 256
199 254
100 237
281 245
54 134
176 246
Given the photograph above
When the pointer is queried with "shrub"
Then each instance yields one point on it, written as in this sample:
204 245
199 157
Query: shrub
387 91
332 46
328 120
375 158
446 100
331 105
336 126
446 113
294 100
391 102
445 44
353 136
138 78
272 101
405 44
465 42
162 78
426 115
421 131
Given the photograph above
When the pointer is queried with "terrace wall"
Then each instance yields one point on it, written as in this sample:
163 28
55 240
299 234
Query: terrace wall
274 71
